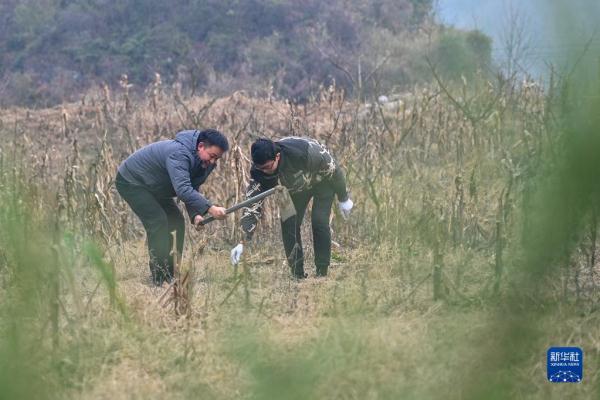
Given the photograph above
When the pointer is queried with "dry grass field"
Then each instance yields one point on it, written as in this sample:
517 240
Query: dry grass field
423 300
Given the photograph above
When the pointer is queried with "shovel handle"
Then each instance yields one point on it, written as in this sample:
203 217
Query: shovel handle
244 203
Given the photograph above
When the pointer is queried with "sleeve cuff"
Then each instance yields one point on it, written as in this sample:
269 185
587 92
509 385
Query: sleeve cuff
343 197
208 205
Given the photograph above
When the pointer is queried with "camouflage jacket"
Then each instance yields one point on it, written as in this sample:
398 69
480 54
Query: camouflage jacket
304 162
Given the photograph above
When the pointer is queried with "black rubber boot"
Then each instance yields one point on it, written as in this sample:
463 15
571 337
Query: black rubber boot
160 274
157 279
297 271
322 270
299 276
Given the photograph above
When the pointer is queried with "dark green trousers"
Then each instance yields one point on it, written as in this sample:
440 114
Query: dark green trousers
323 196
160 216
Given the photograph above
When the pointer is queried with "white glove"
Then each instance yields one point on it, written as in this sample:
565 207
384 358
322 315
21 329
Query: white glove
345 208
236 254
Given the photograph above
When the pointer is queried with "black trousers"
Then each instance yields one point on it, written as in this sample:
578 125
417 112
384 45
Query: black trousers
322 195
160 216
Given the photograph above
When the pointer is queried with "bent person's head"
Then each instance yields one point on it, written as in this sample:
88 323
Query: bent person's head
265 155
211 146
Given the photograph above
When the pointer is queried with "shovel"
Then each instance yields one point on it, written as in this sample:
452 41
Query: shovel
284 200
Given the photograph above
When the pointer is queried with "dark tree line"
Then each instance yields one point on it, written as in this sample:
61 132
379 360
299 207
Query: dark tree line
52 49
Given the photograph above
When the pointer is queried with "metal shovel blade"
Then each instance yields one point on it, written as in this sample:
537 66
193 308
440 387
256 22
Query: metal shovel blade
285 203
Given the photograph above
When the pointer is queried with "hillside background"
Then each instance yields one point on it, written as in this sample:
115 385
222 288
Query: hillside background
53 50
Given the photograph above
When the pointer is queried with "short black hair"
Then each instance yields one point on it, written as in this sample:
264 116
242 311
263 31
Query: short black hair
212 137
263 150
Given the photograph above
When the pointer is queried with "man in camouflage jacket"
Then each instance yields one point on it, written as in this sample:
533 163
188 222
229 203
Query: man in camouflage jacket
307 170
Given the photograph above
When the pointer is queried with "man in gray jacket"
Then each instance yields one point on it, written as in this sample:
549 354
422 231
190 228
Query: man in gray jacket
307 170
150 179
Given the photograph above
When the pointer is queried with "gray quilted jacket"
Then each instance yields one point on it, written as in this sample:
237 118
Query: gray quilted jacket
171 168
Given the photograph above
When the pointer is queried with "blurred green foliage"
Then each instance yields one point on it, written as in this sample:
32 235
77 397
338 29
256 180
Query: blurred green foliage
47 340
557 214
